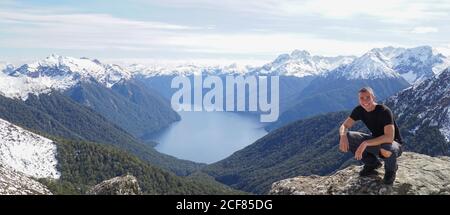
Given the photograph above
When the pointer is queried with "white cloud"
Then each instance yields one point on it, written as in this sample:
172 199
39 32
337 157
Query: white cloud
397 11
58 29
78 20
444 49
36 29
424 30
386 10
270 43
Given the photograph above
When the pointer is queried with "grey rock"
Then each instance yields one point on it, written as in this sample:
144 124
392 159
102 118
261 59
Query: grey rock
417 175
122 185
16 183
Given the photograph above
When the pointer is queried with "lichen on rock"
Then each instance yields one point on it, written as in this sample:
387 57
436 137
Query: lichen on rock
417 175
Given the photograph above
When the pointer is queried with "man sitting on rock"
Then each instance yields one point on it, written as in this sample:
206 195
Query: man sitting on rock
385 140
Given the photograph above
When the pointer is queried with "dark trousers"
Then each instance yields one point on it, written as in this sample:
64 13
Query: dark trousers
371 154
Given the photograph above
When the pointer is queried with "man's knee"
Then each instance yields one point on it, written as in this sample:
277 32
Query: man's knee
353 141
355 137
387 150
385 153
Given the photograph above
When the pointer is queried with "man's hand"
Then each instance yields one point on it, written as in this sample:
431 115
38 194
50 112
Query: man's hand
343 143
359 152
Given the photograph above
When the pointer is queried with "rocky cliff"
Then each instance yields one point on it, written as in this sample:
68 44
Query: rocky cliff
13 182
122 185
417 174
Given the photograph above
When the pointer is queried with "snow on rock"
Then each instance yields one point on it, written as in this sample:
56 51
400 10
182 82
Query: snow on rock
300 63
187 69
58 73
413 64
27 152
121 185
419 63
427 101
6 67
21 86
390 51
372 65
13 182
445 127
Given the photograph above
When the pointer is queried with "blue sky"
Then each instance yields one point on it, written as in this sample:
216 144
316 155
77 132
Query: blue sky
233 30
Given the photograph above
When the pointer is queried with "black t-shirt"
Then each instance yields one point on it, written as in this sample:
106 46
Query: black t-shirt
376 120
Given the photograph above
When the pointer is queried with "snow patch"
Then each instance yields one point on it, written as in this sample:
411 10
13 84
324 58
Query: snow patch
27 152
372 65
410 76
57 73
445 127
414 130
20 87
301 64
187 69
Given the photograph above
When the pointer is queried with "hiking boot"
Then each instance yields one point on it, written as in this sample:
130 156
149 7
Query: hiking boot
369 170
389 177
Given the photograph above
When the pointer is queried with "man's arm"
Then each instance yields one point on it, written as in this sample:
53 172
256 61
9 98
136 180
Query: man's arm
388 137
343 141
348 123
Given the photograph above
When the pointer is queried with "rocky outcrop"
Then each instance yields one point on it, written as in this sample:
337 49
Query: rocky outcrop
122 185
13 182
417 174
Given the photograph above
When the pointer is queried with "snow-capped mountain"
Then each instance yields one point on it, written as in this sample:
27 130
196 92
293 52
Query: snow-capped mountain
107 89
426 104
390 51
419 63
27 152
58 73
372 65
187 69
61 73
335 90
21 86
412 64
76 68
6 68
300 63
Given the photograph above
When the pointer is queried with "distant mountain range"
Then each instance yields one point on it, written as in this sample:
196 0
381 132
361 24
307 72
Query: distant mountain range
297 69
301 63
105 88
135 97
387 71
311 85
